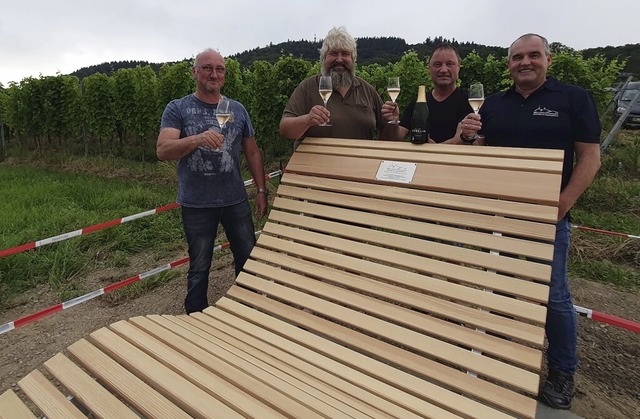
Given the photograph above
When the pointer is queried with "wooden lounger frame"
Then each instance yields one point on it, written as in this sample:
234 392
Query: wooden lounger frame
372 292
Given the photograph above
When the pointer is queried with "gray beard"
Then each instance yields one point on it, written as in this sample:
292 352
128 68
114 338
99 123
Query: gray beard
339 80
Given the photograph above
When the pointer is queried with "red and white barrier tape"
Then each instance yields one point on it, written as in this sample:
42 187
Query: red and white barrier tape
102 226
613 233
608 318
89 296
594 315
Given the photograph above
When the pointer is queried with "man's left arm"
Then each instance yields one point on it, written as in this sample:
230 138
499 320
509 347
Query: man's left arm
585 169
254 158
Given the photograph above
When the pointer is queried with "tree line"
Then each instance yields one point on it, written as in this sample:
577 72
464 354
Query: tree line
381 50
119 114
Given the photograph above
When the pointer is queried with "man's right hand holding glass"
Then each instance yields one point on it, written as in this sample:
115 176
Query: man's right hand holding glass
390 111
318 115
210 139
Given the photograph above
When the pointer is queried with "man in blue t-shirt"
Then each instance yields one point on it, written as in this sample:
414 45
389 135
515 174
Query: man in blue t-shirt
210 186
540 112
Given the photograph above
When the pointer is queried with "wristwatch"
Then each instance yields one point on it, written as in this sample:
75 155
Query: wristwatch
466 140
264 191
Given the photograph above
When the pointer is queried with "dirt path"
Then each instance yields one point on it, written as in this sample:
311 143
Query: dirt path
608 381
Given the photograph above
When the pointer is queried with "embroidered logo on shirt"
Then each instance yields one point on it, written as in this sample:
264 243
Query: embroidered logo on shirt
545 112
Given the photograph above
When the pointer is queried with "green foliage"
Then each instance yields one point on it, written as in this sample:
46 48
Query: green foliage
122 112
271 87
411 70
629 54
174 81
491 72
99 102
593 74
472 69
146 118
136 109
234 86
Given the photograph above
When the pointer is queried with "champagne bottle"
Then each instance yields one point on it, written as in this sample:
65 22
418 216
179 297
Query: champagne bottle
420 119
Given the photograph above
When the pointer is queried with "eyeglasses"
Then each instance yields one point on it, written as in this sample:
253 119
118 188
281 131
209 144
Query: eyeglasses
209 69
335 53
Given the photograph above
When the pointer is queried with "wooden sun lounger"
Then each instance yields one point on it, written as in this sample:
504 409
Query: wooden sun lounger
391 280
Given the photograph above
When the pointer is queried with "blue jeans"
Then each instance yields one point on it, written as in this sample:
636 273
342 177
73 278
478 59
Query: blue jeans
200 227
561 327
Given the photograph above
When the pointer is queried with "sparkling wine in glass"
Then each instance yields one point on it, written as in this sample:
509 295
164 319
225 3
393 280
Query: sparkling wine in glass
476 96
393 89
222 112
325 88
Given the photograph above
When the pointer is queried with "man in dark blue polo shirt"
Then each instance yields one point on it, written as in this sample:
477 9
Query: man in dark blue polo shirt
541 112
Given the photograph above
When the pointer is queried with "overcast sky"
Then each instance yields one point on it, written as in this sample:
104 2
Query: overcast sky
39 37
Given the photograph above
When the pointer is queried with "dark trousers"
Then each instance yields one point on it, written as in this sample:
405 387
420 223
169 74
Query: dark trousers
200 227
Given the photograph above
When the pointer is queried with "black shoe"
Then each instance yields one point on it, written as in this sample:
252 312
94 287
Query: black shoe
558 390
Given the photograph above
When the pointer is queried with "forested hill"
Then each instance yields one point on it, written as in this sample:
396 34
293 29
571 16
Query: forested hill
370 50
381 51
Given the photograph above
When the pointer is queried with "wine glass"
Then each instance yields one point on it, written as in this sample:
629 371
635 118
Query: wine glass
393 88
222 112
476 96
325 88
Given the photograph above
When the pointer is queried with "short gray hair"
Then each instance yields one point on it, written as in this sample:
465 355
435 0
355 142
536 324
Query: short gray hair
338 38
545 43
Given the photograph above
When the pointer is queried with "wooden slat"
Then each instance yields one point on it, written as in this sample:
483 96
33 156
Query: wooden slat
84 388
186 395
47 397
520 228
405 400
497 163
142 397
451 271
476 181
447 331
456 254
366 369
527 153
521 210
313 356
446 352
256 373
531 334
253 384
260 351
510 245
226 383
11 407
402 277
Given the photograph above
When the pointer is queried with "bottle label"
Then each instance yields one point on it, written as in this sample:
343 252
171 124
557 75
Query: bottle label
418 135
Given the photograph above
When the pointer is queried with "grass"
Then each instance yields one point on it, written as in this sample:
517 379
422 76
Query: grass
39 203
44 198
611 203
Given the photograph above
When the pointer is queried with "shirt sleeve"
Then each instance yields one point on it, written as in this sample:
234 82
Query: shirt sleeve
586 122
171 116
297 103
